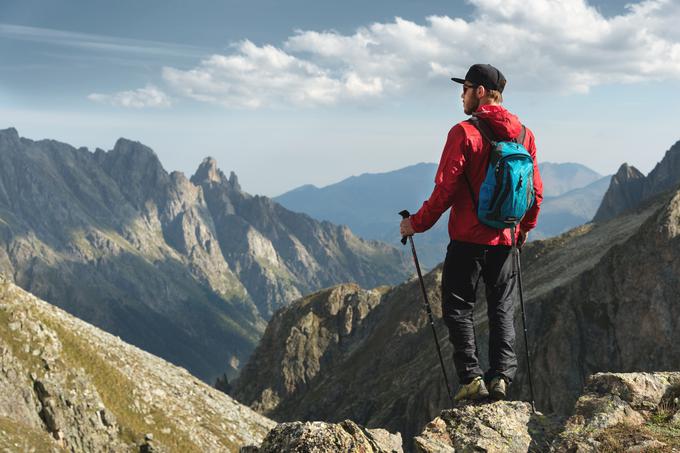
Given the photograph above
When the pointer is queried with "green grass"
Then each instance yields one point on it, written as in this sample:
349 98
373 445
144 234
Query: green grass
116 392
114 388
619 438
658 427
16 344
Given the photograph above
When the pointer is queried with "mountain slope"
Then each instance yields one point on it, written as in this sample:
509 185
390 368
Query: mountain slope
155 258
286 254
600 297
68 386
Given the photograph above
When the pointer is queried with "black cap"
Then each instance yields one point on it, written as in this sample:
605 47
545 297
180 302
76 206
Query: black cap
485 75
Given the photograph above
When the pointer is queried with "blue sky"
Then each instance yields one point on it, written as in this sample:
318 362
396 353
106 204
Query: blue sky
289 93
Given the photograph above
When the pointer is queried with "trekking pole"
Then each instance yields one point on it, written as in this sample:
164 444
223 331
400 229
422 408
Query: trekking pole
405 215
515 252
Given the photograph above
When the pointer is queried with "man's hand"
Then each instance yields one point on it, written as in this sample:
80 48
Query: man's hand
405 228
522 238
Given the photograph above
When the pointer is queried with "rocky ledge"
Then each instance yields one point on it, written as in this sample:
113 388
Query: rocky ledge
321 437
618 412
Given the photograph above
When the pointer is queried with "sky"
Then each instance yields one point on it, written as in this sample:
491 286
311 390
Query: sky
312 92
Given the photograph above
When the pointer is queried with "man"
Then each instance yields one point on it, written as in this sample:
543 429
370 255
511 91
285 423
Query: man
476 250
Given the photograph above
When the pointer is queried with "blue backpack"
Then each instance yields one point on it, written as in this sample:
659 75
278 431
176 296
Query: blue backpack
507 192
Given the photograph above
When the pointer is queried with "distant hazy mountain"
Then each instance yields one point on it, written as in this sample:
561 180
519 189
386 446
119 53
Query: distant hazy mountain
186 269
560 178
575 207
369 203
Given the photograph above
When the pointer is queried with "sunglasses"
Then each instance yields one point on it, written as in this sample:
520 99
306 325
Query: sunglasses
466 87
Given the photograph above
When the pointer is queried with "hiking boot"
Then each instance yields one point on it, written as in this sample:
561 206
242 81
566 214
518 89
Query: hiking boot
498 388
475 390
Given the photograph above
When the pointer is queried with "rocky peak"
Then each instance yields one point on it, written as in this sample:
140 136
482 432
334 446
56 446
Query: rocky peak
137 170
627 172
133 150
136 161
9 134
208 172
233 181
624 193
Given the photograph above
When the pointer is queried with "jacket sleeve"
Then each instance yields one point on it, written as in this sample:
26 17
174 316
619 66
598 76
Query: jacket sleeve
531 217
449 174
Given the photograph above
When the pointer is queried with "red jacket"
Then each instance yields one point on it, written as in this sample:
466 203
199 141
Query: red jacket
466 152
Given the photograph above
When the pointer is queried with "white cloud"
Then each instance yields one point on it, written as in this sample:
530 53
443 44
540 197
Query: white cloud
150 96
258 76
564 45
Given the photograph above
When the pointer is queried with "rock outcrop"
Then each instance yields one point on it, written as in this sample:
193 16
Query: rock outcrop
624 412
502 426
629 187
68 386
189 270
302 338
600 297
618 412
320 437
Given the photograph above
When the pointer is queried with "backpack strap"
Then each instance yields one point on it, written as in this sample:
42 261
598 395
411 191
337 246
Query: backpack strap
522 135
487 134
484 129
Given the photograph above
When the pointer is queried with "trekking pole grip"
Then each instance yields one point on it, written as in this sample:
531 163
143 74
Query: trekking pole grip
404 215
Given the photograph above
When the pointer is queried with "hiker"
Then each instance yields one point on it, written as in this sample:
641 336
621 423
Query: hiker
477 250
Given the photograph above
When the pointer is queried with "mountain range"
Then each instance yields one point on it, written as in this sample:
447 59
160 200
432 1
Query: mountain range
602 296
188 269
369 203
194 266
67 386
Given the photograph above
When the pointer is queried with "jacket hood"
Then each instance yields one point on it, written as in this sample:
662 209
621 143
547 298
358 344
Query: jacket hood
503 123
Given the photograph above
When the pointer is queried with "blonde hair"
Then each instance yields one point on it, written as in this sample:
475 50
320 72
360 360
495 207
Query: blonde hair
494 96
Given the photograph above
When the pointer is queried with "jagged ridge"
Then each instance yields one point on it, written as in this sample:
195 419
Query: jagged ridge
186 270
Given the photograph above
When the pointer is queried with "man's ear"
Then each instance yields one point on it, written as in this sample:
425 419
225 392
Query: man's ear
481 91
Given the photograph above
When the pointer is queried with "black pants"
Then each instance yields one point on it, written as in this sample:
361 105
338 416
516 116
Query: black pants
465 264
